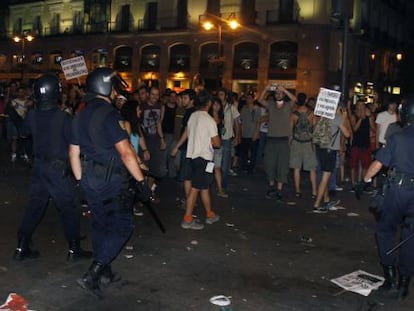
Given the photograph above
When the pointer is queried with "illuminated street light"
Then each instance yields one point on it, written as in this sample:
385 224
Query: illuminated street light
399 56
218 23
23 39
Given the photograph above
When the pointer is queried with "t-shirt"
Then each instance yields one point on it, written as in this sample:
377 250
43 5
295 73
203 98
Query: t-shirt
230 115
279 119
201 128
249 118
264 126
383 120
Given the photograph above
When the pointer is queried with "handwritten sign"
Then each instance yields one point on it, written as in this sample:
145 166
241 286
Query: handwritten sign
74 67
327 103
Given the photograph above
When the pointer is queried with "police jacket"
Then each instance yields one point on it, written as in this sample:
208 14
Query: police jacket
96 130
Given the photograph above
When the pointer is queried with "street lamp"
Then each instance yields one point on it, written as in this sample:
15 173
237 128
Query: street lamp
23 39
214 21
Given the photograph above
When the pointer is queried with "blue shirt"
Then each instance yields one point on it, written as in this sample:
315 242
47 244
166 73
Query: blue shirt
97 141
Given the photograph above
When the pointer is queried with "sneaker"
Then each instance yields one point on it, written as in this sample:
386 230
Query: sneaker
222 194
212 220
339 188
193 225
320 210
13 157
331 204
270 193
232 173
25 158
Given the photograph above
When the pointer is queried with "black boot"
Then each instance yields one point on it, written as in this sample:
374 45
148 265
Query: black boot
23 250
391 279
75 252
90 280
108 276
403 286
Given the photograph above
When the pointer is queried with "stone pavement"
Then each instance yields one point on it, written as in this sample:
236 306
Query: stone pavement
264 255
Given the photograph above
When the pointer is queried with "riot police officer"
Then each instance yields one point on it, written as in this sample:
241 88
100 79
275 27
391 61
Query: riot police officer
50 129
398 205
101 157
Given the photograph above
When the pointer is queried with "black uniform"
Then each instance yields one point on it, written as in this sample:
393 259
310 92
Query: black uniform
398 201
51 178
97 128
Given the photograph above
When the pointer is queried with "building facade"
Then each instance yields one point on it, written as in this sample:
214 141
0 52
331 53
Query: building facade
296 43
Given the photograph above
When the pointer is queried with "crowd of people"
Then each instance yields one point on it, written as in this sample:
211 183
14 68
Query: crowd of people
194 137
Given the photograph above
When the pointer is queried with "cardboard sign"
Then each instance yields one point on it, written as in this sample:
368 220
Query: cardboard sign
74 67
327 103
359 282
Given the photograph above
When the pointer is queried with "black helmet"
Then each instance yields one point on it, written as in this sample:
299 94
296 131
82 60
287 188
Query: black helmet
47 91
102 80
407 110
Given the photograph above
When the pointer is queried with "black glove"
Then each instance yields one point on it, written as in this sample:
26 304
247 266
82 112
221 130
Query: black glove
359 189
143 192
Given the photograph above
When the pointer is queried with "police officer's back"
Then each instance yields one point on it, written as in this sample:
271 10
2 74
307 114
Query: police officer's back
101 158
51 129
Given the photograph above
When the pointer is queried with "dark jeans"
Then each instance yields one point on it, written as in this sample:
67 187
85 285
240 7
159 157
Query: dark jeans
248 149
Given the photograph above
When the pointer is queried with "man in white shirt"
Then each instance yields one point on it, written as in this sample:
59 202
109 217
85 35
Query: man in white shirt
203 137
384 119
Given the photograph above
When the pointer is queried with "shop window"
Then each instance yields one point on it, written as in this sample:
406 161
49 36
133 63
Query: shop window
123 59
180 58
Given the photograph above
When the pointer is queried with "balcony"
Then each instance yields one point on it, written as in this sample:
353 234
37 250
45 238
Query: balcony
275 17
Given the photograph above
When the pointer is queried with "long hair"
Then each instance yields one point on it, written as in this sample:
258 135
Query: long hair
129 113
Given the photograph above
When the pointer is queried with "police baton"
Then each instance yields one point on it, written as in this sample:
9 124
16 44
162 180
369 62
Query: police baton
400 244
154 215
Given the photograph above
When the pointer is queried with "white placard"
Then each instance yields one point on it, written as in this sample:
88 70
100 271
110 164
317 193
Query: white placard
74 67
359 282
326 103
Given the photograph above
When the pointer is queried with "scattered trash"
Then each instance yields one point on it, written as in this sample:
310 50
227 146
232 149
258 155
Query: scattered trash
245 189
233 250
194 242
359 282
189 248
244 300
53 241
15 302
243 236
63 286
291 203
340 207
4 269
6 202
139 214
289 230
164 263
128 256
352 214
229 224
129 247
220 300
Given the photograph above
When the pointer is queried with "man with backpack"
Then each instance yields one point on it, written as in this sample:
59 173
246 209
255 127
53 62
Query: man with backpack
302 150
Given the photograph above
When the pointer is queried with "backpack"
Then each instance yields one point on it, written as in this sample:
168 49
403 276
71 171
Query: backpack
322 133
302 131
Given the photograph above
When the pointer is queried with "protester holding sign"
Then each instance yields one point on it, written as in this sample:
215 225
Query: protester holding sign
327 149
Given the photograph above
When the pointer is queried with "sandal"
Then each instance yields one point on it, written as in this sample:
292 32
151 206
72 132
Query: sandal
298 194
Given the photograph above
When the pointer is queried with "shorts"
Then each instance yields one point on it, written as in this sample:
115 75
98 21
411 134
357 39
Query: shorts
185 170
362 155
302 154
200 179
12 132
218 157
327 159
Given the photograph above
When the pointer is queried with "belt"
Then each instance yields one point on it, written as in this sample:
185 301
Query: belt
401 179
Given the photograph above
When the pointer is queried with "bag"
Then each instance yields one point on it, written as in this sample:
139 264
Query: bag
322 133
302 131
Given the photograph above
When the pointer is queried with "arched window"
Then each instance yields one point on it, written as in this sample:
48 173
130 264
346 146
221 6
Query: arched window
150 58
180 58
246 59
283 59
123 58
